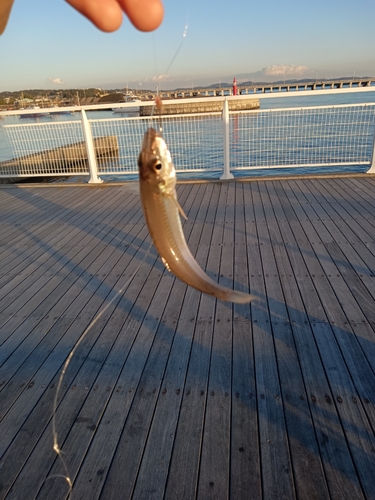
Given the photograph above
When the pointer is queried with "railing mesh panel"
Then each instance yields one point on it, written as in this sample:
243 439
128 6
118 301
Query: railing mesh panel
302 137
293 137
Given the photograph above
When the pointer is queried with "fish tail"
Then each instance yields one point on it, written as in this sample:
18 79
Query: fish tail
237 297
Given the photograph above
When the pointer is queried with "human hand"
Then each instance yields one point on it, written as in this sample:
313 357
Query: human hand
5 8
145 15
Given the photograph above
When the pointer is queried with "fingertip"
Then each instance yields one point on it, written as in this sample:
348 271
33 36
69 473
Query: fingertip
145 15
108 24
105 15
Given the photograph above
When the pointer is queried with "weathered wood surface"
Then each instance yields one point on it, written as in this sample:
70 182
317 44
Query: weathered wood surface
172 394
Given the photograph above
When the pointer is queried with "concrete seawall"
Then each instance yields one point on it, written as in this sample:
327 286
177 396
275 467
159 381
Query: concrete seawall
201 107
60 160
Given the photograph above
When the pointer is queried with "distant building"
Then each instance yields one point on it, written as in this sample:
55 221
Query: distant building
24 101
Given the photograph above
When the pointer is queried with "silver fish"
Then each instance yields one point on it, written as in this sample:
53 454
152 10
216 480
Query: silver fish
157 184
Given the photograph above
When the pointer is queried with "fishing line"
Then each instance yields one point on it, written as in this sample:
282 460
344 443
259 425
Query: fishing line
184 35
158 101
56 446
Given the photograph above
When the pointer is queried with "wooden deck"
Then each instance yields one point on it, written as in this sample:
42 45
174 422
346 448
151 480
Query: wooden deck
172 394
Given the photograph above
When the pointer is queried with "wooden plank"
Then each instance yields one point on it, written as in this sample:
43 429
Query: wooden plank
120 482
184 464
358 429
352 216
20 206
39 380
364 188
333 449
56 218
61 224
78 390
358 266
245 477
324 264
84 255
95 410
361 200
214 465
153 470
357 359
165 397
57 257
275 455
43 217
173 396
338 376
345 258
308 472
70 269
52 312
347 217
46 249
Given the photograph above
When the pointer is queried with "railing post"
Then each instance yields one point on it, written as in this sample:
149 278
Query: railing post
226 171
371 170
91 157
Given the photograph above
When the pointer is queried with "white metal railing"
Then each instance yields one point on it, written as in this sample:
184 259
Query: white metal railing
217 142
304 137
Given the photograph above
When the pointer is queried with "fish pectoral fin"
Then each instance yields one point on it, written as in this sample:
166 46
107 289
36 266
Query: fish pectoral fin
179 207
181 210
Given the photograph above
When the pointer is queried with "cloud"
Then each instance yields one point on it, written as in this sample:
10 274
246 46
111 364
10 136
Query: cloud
56 81
274 72
284 69
161 78
156 80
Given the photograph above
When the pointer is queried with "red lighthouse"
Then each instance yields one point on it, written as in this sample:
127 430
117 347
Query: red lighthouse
234 86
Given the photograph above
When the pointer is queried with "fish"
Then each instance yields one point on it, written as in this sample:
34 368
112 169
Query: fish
157 187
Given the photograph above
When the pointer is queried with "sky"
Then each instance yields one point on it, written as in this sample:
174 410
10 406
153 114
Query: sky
48 45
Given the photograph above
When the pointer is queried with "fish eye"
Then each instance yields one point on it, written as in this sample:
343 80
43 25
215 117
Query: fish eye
158 165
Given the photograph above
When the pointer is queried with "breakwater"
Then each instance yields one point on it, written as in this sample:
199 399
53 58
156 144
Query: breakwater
201 107
58 160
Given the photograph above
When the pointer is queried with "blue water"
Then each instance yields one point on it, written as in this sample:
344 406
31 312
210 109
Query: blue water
317 100
296 100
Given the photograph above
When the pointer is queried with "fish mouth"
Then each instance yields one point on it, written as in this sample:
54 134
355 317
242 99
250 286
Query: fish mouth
149 138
